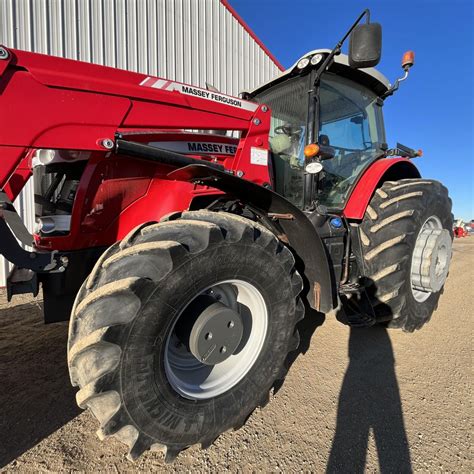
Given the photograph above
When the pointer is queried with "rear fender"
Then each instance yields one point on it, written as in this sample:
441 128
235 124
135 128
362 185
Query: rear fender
387 169
298 230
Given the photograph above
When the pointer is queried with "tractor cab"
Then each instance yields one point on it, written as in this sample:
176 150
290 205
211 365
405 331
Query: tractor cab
349 122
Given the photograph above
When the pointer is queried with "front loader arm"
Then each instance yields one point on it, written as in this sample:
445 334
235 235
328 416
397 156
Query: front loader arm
55 103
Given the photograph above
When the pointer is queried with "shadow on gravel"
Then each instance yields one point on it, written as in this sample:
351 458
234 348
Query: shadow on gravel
306 328
369 401
36 397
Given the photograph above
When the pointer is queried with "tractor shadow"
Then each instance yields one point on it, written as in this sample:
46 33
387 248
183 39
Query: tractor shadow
369 405
306 328
36 398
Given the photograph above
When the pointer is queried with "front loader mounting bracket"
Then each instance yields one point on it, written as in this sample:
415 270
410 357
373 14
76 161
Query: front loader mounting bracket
11 229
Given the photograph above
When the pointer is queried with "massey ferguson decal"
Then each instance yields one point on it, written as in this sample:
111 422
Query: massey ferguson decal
200 148
197 92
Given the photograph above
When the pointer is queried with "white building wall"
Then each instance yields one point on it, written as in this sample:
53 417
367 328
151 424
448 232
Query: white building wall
192 41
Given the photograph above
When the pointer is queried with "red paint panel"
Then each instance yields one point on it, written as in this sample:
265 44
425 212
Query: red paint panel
10 157
114 196
152 115
19 178
56 118
87 77
367 184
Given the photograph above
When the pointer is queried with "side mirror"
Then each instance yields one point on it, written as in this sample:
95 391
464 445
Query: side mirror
365 47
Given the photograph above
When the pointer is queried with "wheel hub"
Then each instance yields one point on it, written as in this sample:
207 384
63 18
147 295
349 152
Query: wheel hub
234 312
216 334
431 257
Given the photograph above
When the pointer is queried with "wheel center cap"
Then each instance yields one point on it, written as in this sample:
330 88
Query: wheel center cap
216 334
431 257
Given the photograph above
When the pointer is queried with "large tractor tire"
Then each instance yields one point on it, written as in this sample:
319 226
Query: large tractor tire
182 330
406 238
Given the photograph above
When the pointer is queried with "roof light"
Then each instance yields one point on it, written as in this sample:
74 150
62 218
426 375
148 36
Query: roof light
316 59
408 59
311 150
302 63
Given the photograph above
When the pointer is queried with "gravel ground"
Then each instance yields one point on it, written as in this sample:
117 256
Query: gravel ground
383 401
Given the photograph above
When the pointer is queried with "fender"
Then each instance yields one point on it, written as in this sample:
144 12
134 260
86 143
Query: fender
386 169
301 234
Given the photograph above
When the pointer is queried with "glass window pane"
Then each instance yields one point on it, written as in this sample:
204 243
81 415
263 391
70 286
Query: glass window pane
351 123
288 102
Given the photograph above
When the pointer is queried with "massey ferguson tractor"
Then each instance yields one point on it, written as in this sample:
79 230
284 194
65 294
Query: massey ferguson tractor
184 231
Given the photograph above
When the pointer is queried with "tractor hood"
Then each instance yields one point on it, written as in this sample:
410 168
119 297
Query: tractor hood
369 77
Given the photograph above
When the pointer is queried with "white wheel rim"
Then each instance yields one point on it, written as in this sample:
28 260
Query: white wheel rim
196 381
430 259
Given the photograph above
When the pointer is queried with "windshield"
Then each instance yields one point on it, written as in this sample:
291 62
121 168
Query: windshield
350 122
288 102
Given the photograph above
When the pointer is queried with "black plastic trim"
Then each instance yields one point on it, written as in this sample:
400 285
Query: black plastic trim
151 153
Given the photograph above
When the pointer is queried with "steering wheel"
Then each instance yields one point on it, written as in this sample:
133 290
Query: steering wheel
284 130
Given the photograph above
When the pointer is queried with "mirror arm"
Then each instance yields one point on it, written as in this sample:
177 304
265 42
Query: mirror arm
337 49
395 86
313 109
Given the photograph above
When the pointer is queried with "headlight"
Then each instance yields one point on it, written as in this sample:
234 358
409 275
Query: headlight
302 63
57 223
43 157
45 225
316 59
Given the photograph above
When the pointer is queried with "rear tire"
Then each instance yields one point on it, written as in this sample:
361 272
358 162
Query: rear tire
390 240
125 315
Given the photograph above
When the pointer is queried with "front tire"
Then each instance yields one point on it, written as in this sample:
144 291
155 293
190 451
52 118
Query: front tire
406 238
131 348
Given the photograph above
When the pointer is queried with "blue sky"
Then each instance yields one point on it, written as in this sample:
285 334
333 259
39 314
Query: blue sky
433 109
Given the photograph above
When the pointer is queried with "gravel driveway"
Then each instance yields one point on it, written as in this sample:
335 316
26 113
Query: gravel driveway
355 398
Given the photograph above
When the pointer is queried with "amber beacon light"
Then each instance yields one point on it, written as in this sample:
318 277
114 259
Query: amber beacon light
311 150
408 59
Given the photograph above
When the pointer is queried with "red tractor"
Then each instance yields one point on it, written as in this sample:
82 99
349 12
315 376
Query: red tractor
460 231
183 231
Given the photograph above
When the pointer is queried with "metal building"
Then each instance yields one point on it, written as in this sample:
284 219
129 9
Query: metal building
191 41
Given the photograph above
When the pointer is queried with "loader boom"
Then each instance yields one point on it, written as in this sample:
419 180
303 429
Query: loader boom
76 106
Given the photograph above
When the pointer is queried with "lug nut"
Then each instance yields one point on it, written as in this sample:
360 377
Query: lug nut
208 336
231 324
223 349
